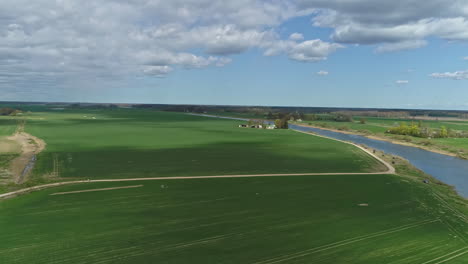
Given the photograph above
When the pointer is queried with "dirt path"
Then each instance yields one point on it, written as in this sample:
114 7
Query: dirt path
98 190
30 146
45 186
41 146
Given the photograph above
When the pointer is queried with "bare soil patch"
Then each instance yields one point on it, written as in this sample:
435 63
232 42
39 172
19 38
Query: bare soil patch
9 146
30 147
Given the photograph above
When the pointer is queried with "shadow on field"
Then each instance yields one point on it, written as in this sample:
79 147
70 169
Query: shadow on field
211 159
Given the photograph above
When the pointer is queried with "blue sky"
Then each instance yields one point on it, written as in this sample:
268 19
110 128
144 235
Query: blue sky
204 52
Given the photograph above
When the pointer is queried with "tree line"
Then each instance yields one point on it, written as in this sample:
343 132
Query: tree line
419 130
5 111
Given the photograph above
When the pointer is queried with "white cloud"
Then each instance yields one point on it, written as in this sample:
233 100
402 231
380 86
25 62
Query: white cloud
322 73
306 51
63 43
398 24
457 75
403 45
465 58
296 36
401 82
106 40
312 50
159 71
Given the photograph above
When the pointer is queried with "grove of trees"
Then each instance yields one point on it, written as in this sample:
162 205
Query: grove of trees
418 130
281 123
8 111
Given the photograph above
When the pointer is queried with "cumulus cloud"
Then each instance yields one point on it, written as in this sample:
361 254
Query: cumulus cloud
296 36
56 41
68 42
312 50
159 71
322 73
457 75
305 51
392 25
403 45
400 82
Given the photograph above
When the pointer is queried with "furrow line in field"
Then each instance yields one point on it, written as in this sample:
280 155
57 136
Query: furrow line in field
344 242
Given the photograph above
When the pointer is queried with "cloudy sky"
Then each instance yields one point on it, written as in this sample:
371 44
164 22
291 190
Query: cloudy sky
353 53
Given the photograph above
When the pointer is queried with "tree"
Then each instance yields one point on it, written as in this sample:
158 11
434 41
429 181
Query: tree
269 115
8 111
301 115
443 133
362 120
340 117
281 123
310 117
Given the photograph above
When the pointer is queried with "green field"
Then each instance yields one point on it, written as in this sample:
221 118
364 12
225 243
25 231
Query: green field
296 219
378 127
128 144
284 219
7 126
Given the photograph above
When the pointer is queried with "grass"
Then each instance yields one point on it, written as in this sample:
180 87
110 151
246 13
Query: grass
377 127
8 149
7 126
232 221
137 143
356 125
301 219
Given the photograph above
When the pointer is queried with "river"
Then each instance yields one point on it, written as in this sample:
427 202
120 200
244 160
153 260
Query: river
448 169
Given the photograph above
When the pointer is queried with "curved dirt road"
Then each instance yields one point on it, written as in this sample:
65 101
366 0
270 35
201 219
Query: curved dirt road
390 170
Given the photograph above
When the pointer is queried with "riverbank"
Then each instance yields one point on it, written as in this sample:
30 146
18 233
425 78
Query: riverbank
386 139
446 167
373 136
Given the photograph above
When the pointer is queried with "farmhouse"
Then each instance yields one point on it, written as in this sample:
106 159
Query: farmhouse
257 125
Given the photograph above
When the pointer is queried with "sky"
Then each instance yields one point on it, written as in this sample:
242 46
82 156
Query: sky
331 53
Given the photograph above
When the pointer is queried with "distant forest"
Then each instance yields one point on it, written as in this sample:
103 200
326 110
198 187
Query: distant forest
260 111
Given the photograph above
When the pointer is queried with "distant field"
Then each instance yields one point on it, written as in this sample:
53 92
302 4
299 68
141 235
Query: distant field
313 219
378 126
372 127
239 115
457 125
7 126
137 143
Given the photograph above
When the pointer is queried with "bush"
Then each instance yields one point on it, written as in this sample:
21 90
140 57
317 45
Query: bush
343 118
281 123
8 111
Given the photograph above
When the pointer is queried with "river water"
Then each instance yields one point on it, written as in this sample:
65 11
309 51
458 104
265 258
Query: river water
448 169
